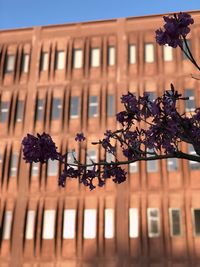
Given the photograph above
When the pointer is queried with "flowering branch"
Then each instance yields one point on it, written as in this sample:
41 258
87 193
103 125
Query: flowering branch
162 137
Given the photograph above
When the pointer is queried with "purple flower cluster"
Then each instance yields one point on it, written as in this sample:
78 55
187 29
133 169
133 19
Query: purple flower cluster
40 148
175 29
80 137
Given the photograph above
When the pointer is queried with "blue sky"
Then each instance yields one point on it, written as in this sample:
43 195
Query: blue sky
26 13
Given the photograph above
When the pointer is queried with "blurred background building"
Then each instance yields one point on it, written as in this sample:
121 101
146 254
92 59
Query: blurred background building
64 79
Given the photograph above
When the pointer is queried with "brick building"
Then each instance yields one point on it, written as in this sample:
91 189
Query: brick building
63 79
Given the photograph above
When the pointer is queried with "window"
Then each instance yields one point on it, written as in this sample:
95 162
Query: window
175 222
71 157
49 224
133 223
35 169
56 109
190 103
78 59
7 226
172 164
74 107
52 167
152 165
10 64
132 54
153 222
93 106
167 53
13 164
196 221
4 110
149 53
39 110
151 94
109 157
110 105
185 48
25 63
19 111
44 61
111 56
95 57
60 60
90 221
133 167
30 221
193 165
69 224
91 157
109 223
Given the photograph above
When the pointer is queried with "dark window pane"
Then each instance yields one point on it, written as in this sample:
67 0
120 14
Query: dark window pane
152 165
172 164
56 109
175 222
35 169
13 164
4 110
93 106
151 94
110 105
20 111
74 106
154 227
39 110
52 167
193 165
190 103
197 221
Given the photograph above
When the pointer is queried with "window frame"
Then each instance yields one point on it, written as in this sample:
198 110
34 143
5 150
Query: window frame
109 223
7 225
74 106
171 223
95 62
25 63
11 69
44 61
77 58
167 53
56 108
133 223
111 55
132 54
90 223
30 224
195 234
149 219
69 223
2 111
91 105
48 225
60 60
151 59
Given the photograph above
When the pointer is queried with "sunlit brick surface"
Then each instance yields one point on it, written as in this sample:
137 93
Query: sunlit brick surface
64 79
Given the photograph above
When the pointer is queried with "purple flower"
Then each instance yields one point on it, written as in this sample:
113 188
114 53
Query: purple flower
175 29
119 175
39 149
80 137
